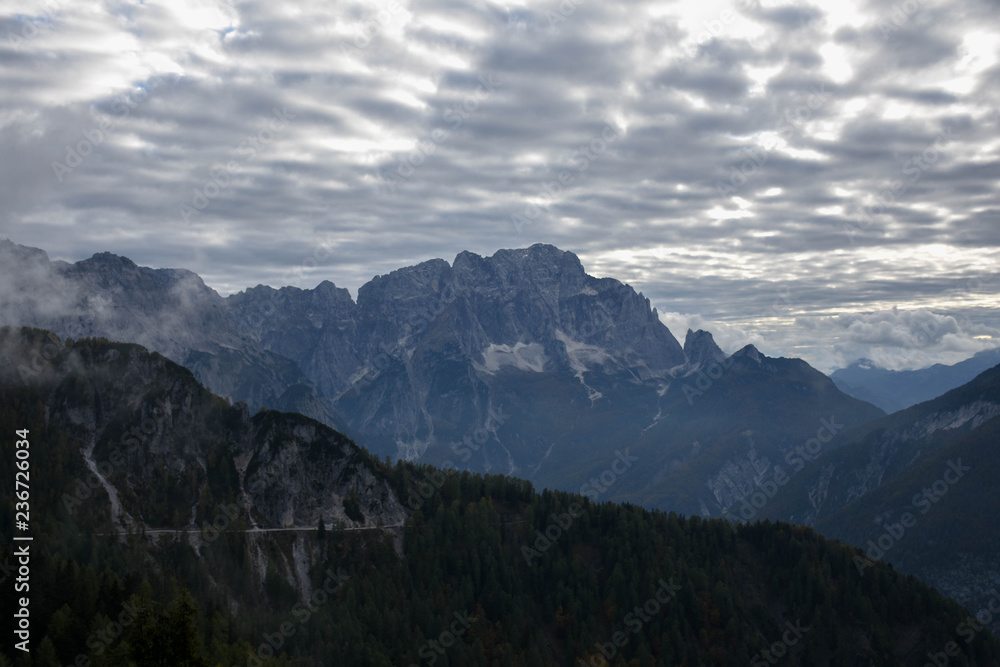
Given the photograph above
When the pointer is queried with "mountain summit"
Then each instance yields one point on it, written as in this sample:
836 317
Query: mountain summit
519 363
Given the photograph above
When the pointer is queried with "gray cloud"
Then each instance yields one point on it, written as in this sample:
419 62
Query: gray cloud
185 93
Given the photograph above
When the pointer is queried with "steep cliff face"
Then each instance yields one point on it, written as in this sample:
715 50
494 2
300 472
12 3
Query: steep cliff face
701 350
434 353
168 452
315 328
413 364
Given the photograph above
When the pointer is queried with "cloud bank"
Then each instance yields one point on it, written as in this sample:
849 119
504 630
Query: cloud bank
720 157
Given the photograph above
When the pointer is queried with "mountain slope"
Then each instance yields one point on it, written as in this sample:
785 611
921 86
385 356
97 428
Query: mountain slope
722 430
168 310
148 417
484 572
938 461
520 363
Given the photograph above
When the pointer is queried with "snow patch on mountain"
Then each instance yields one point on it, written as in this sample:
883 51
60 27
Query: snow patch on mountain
579 355
522 356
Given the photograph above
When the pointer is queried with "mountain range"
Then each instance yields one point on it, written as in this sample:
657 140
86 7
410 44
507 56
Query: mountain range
916 488
896 390
519 363
171 527
522 364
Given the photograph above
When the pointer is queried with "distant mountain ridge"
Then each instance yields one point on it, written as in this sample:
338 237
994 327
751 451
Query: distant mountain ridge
933 467
896 390
519 363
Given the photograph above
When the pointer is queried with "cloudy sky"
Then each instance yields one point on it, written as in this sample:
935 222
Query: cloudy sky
819 179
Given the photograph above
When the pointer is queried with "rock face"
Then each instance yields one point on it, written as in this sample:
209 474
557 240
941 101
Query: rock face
426 357
519 363
701 350
427 354
148 429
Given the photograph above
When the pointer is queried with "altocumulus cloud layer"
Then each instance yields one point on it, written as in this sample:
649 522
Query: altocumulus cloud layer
783 174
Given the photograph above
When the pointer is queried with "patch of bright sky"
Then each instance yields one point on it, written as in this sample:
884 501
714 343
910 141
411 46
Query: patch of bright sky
198 15
835 63
895 110
804 153
719 213
760 76
386 144
979 53
843 14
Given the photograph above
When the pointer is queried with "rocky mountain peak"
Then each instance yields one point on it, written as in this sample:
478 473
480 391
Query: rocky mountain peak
749 356
429 276
108 261
700 348
22 253
331 292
